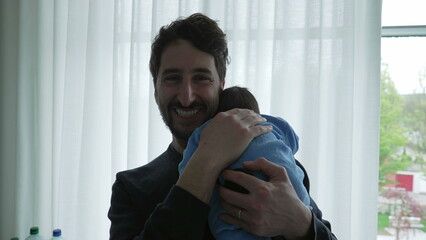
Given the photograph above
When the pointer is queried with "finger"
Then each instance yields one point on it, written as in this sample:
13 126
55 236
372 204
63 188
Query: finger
250 116
260 129
233 198
234 215
230 219
241 178
236 212
272 170
231 209
241 113
247 116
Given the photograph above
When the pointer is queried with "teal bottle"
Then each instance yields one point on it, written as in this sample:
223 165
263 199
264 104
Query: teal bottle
57 235
34 234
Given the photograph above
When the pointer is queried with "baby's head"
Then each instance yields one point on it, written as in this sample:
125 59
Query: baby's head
237 97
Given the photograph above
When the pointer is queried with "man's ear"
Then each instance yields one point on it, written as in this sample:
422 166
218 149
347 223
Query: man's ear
222 85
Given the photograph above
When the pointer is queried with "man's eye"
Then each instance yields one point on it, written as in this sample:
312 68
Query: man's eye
172 78
202 78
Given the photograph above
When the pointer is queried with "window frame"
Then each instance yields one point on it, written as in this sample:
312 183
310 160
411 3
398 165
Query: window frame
404 31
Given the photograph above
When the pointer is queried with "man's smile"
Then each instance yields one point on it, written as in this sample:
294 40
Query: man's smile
187 113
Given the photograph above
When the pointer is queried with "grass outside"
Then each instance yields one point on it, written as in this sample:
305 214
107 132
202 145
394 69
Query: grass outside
424 225
382 222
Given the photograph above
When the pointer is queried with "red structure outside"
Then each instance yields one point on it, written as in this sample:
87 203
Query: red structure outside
405 181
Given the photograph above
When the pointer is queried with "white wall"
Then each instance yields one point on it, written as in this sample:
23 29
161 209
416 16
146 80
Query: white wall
419 185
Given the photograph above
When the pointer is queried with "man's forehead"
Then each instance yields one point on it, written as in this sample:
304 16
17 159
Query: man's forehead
194 70
183 56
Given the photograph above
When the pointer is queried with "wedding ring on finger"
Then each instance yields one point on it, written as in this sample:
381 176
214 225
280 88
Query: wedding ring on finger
239 213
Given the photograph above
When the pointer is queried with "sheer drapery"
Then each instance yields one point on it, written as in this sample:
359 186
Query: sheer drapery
77 101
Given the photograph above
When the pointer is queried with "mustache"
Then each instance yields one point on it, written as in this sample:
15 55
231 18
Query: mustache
193 105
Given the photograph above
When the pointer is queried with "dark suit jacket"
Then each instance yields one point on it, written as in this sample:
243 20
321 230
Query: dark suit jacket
146 204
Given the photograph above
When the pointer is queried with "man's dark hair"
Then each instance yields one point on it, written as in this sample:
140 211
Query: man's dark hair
201 31
237 97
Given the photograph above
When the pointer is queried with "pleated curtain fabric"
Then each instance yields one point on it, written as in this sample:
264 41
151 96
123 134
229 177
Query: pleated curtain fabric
78 101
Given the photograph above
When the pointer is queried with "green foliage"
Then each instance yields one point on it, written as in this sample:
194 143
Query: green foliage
402 143
391 131
415 122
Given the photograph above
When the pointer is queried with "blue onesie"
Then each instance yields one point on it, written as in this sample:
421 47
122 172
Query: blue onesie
277 146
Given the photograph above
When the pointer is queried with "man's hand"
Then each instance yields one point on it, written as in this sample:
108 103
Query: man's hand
221 142
271 208
229 133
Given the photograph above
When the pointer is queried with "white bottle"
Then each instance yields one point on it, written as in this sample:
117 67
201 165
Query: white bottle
34 235
57 235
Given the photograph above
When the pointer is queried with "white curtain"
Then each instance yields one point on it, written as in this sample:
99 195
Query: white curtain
77 101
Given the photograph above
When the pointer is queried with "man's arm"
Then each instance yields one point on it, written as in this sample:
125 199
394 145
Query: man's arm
179 216
321 228
125 222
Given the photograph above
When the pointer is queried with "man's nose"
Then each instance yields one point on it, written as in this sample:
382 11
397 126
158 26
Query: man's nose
186 94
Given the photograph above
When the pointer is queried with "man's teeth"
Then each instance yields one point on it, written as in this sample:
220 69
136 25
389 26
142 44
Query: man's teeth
186 113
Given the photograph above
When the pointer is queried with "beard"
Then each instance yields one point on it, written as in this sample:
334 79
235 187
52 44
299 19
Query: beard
181 135
210 110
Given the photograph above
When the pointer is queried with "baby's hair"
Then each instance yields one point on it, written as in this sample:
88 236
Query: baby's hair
237 97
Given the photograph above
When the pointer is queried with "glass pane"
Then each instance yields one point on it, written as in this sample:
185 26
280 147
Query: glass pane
406 59
403 12
402 186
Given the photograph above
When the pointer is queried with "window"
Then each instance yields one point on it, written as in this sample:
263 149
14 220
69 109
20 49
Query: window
402 183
